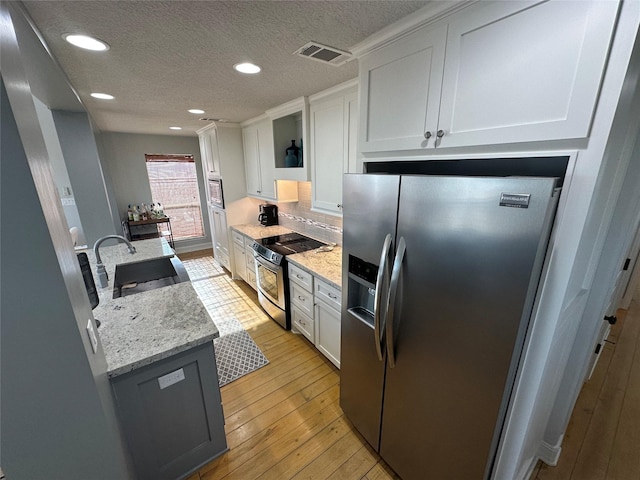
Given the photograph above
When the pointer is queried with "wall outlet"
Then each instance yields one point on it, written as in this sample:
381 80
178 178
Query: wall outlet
67 202
92 336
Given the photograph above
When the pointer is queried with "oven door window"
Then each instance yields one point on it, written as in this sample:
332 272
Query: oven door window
268 282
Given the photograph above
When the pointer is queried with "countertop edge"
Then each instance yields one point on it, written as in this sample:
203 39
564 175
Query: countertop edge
124 369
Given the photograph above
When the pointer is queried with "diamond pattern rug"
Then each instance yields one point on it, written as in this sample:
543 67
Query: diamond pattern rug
236 352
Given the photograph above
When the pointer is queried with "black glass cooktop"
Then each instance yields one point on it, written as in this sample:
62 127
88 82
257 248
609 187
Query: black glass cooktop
289 243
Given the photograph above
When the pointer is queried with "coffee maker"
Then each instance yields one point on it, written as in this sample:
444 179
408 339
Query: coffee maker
268 214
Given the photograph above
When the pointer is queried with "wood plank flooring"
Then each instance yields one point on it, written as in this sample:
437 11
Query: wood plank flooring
602 441
284 421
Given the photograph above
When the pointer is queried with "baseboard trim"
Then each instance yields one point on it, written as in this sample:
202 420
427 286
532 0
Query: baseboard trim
550 454
194 247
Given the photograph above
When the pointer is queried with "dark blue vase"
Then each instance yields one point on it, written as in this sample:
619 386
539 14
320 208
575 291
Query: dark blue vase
292 153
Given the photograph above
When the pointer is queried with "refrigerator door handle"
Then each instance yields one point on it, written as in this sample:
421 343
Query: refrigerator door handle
393 292
383 275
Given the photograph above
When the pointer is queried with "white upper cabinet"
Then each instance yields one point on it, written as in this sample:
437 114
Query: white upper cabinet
209 152
513 72
289 124
333 144
257 140
400 92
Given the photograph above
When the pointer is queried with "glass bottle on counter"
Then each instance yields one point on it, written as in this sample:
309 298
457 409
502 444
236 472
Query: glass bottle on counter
129 213
136 214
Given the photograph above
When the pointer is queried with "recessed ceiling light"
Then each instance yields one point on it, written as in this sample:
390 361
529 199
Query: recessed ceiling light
247 68
175 128
102 96
86 42
197 111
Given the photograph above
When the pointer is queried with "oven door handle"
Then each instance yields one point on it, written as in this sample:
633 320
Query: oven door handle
266 263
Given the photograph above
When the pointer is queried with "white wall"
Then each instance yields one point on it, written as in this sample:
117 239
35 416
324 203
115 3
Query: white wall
123 155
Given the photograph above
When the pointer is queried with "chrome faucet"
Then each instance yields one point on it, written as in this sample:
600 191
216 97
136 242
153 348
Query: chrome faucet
102 271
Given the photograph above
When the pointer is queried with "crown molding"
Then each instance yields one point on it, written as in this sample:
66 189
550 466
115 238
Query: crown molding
427 15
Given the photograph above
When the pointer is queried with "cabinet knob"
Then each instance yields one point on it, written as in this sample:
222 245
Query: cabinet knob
440 133
339 205
258 191
427 134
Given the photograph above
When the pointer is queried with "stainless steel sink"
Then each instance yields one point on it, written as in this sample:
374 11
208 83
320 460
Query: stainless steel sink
132 278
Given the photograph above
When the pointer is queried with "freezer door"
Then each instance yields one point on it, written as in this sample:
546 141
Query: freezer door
369 215
474 254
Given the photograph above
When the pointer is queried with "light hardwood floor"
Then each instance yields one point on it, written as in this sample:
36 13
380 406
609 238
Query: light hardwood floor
602 441
284 421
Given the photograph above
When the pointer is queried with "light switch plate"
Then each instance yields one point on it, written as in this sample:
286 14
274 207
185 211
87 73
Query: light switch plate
92 336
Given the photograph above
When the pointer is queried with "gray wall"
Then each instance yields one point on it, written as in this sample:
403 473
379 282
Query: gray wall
58 418
123 158
85 173
59 168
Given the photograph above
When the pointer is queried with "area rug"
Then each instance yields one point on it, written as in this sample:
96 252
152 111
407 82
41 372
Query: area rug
236 352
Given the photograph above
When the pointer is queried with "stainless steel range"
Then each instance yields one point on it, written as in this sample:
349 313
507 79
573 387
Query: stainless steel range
271 272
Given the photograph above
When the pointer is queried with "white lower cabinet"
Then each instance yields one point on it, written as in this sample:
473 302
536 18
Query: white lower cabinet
250 262
315 311
303 323
239 261
327 320
220 237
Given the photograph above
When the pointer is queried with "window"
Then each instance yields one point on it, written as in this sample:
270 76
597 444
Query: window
174 184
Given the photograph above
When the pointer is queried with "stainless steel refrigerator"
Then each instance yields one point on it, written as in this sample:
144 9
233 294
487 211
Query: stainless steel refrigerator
440 275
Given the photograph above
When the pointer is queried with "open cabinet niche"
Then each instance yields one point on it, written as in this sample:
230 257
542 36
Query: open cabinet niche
290 124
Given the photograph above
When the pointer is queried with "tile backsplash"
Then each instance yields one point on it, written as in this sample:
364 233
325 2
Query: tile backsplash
299 217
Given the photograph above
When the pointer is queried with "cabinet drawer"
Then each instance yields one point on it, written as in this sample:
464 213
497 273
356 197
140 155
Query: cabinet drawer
328 293
238 237
223 259
301 298
301 277
303 323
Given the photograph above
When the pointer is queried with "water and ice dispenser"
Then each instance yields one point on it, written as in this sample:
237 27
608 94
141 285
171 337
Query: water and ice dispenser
361 291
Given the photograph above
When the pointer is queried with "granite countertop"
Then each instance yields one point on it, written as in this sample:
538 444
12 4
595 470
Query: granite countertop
326 265
143 328
257 231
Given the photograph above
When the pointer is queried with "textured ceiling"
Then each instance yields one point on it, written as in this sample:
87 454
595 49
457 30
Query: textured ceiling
167 57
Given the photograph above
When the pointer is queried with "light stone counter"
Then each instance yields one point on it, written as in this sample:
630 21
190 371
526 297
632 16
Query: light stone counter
257 231
143 328
326 265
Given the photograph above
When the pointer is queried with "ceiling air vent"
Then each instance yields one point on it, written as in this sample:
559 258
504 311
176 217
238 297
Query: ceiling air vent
323 53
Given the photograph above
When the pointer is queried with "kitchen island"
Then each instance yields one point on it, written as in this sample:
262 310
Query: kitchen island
161 362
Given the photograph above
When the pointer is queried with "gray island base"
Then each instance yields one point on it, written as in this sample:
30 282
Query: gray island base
158 345
171 414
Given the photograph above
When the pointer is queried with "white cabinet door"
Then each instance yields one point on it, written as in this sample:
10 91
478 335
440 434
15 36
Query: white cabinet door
251 159
328 154
220 237
209 153
266 160
259 160
327 331
400 88
523 71
333 141
239 261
